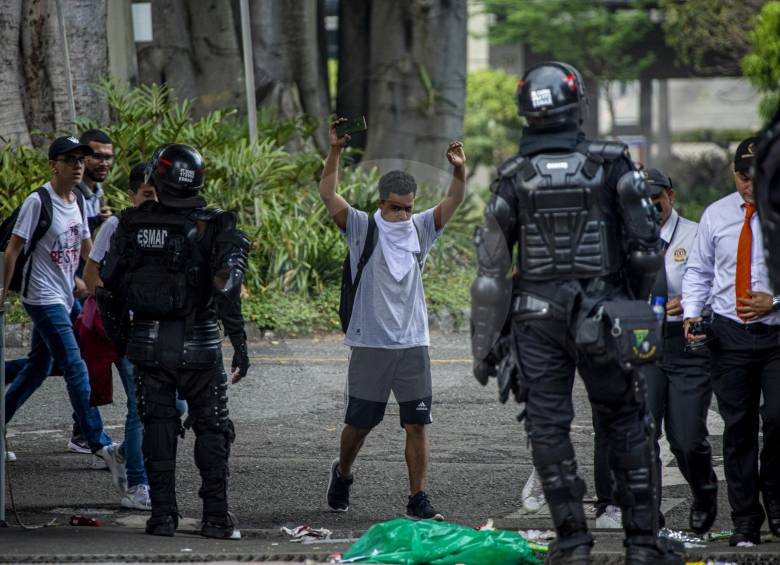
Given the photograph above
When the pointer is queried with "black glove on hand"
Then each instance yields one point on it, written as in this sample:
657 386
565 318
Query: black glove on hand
484 369
240 356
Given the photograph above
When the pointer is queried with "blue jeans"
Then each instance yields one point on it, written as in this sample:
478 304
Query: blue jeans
132 445
53 338
134 430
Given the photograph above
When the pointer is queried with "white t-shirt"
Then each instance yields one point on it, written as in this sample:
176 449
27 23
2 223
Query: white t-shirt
56 256
103 239
388 314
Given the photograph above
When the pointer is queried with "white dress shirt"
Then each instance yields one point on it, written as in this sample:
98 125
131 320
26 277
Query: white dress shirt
680 235
712 265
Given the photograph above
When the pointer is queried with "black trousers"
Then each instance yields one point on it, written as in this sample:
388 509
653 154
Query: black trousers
679 392
745 366
548 359
205 393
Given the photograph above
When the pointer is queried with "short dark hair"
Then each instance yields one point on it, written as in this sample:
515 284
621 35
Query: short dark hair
397 182
137 176
95 135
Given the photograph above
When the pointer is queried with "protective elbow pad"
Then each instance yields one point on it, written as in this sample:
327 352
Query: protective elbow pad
490 302
639 215
494 256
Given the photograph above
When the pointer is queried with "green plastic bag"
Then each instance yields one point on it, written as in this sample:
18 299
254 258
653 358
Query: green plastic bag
438 543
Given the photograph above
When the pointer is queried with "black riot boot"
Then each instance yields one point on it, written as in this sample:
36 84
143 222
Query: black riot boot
564 490
163 524
635 493
212 449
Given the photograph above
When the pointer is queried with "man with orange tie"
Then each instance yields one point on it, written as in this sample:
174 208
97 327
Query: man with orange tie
728 260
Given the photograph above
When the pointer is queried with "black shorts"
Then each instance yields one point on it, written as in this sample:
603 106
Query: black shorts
374 372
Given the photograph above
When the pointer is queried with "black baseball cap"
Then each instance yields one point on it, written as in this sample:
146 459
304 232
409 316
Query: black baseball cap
743 158
657 182
66 144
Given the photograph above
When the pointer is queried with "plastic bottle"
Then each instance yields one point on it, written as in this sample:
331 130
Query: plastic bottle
658 308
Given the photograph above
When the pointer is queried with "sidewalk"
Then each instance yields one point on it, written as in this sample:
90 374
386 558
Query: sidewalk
128 544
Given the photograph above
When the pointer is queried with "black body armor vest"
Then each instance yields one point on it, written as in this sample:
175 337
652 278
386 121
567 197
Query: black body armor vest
566 221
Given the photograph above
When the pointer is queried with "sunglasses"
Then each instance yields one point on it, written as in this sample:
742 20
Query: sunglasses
71 160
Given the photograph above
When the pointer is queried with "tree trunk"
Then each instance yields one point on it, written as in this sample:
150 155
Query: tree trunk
290 76
47 105
85 21
354 63
216 54
418 81
195 50
167 59
13 127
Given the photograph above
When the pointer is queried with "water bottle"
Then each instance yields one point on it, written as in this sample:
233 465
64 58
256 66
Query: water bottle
658 308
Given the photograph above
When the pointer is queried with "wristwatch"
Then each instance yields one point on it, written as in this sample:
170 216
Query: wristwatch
775 303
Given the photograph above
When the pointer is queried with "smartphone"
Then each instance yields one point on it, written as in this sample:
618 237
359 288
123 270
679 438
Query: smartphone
351 126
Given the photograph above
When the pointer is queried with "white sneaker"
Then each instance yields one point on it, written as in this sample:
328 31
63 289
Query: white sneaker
611 518
533 495
137 497
98 463
115 464
10 456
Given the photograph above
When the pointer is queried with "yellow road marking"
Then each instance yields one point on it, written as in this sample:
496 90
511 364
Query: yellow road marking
337 361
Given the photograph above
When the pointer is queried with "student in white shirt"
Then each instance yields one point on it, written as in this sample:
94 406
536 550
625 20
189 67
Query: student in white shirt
47 296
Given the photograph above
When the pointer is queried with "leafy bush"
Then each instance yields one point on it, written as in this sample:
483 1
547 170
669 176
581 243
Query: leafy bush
700 181
492 125
272 185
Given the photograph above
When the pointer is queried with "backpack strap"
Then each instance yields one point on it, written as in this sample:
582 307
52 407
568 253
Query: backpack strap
419 254
44 223
368 249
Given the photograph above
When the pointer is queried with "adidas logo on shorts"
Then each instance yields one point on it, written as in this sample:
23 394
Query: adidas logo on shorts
422 406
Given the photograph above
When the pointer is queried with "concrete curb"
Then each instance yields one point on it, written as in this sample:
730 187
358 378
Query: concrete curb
19 335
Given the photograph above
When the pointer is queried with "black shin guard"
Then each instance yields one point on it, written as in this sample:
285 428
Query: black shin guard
563 490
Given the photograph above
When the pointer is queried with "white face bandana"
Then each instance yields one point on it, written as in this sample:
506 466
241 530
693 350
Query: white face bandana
399 243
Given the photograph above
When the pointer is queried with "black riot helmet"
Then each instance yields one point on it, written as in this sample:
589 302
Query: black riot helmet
177 171
552 95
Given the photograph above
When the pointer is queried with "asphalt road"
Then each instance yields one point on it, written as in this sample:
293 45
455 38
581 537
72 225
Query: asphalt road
288 414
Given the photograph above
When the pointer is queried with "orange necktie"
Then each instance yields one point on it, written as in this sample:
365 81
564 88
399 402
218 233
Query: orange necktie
744 250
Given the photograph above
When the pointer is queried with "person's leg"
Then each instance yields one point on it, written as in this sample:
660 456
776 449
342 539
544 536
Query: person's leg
770 451
737 386
206 394
156 396
657 385
690 393
619 398
13 367
136 472
416 455
352 440
34 372
365 393
546 357
56 330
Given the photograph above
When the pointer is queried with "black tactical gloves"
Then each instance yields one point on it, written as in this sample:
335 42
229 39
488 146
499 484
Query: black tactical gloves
240 356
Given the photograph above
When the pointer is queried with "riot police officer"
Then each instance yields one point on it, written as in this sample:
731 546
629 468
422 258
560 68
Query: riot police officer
766 187
587 238
175 269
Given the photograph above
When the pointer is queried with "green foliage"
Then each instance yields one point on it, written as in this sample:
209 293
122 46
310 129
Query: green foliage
589 35
492 125
762 64
22 170
709 35
700 181
295 265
